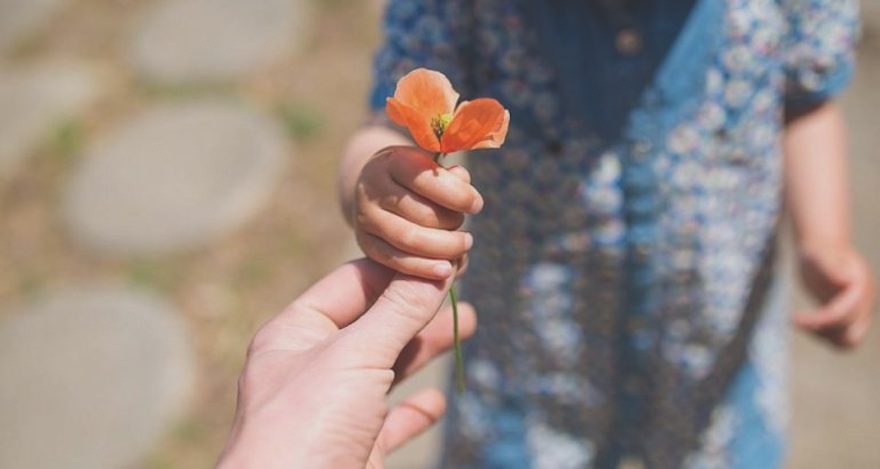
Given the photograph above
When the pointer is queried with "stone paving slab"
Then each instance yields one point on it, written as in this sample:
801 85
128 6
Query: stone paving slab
174 177
91 378
21 19
186 41
35 98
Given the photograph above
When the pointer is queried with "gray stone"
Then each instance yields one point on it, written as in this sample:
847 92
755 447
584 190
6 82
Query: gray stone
174 177
215 40
20 19
34 99
91 378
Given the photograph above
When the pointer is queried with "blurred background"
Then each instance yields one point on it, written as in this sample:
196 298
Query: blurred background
167 182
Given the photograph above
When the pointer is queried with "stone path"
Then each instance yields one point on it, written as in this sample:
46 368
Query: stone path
215 40
174 177
91 378
22 19
35 98
94 375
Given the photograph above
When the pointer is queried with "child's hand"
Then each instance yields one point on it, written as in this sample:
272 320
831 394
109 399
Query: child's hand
841 281
406 205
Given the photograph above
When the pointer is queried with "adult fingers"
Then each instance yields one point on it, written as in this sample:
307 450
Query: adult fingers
412 417
332 303
434 339
404 309
386 254
414 239
344 294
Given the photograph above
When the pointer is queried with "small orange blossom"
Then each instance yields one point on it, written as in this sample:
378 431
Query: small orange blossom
425 103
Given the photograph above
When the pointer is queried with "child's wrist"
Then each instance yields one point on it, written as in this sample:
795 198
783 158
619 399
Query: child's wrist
810 247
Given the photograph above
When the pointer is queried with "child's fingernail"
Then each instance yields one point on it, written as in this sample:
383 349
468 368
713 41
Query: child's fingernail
477 205
443 270
468 240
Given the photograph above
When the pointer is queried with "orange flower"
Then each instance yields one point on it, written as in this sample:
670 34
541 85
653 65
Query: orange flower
425 103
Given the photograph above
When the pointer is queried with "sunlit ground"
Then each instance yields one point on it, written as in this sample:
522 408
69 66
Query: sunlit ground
226 287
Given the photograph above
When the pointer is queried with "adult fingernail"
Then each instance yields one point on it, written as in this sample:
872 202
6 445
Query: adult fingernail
468 241
443 270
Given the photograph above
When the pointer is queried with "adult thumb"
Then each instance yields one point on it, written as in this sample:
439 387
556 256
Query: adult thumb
403 309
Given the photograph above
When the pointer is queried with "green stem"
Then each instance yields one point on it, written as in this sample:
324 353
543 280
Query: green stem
456 340
459 361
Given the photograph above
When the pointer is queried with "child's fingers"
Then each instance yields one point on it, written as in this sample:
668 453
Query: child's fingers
840 311
461 173
380 251
435 183
844 320
856 333
462 266
839 337
414 239
850 335
415 208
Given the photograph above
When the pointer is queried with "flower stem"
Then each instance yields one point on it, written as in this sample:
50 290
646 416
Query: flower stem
456 340
459 361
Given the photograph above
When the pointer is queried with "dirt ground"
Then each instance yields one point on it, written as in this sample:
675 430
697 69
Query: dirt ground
226 289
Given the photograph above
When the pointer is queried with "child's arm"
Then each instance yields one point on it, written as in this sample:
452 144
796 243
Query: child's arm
816 192
402 205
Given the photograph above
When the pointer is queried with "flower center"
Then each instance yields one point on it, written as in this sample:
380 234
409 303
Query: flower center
439 124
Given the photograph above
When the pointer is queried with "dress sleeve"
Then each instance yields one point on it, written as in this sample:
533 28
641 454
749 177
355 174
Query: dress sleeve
819 50
419 33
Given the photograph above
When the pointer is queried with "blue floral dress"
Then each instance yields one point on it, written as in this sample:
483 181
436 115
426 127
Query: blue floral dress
623 268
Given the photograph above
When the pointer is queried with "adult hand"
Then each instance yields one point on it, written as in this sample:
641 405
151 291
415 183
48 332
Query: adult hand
314 386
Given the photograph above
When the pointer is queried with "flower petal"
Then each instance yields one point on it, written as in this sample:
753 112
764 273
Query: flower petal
481 123
497 137
428 92
419 127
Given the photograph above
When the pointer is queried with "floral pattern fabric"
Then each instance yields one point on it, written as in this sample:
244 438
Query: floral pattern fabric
629 309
